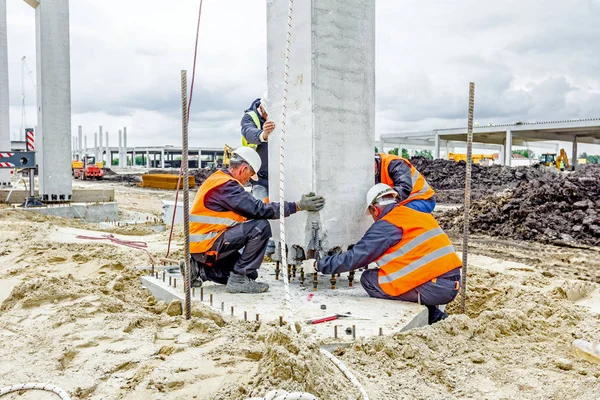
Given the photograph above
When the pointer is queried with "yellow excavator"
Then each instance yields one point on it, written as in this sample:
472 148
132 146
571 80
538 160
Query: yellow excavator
227 154
561 162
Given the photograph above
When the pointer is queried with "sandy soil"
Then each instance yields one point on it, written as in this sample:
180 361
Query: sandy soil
79 318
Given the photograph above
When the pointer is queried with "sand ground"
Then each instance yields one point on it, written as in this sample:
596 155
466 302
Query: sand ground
73 313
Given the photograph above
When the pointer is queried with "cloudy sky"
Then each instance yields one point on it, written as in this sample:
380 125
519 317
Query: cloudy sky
532 60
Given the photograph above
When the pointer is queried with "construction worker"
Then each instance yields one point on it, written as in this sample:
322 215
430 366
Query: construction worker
256 129
225 219
416 260
409 183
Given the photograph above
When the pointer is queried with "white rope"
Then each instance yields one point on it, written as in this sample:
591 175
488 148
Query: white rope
288 302
35 386
346 372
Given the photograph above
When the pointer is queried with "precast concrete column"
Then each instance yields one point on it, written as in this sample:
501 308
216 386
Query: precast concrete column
100 143
381 144
96 147
162 158
574 153
4 96
53 99
108 157
133 156
447 150
120 149
85 148
147 159
508 148
330 105
436 147
125 145
80 141
501 155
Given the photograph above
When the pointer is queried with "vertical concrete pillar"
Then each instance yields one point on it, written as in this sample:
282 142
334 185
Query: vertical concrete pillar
381 145
133 156
508 147
80 141
108 153
101 147
54 99
574 153
125 150
121 149
147 159
162 158
447 150
4 97
436 147
96 152
330 108
501 155
85 148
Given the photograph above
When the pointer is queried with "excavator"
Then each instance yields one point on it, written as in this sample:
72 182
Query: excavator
559 162
227 154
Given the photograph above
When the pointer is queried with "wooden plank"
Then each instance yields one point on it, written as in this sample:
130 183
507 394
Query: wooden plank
79 196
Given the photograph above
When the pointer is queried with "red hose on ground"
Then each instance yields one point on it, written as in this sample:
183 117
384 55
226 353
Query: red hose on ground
188 117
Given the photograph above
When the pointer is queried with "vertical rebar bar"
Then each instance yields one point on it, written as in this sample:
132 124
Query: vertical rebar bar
186 201
465 246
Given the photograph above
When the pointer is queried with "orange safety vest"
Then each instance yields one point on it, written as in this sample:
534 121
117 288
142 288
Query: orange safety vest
207 225
423 254
420 188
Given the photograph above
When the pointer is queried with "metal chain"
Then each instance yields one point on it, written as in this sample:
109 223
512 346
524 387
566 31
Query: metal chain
186 199
284 261
467 211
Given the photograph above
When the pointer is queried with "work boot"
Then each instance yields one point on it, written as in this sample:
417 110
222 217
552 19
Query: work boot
242 284
435 314
197 273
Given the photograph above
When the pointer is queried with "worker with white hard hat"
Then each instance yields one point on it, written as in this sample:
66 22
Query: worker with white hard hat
410 184
416 261
225 219
256 129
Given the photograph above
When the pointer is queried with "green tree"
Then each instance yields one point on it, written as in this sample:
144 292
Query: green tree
425 154
115 161
591 159
393 151
527 153
376 150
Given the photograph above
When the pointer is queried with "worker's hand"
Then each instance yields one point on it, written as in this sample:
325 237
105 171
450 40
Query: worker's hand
268 127
311 202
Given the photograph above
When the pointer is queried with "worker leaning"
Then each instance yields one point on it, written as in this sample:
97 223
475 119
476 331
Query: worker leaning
417 262
256 129
225 219
411 186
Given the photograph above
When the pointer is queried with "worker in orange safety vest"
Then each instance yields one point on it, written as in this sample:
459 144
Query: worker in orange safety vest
416 261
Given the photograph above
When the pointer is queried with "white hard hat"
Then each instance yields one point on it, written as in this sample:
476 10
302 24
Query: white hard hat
250 155
264 102
378 191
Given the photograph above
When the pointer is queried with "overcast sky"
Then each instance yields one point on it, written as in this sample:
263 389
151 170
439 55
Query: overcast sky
532 60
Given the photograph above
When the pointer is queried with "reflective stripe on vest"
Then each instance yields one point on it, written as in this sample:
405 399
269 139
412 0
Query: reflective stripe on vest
256 121
424 253
420 188
207 225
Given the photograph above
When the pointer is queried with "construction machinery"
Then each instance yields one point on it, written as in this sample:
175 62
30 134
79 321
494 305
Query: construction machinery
483 159
88 168
561 162
227 154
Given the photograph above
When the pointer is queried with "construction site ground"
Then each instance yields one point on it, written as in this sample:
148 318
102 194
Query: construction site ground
74 313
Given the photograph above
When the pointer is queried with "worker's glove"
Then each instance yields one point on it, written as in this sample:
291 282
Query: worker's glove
311 202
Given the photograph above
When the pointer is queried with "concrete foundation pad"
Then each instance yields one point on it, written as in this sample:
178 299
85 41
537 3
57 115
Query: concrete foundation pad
95 212
368 314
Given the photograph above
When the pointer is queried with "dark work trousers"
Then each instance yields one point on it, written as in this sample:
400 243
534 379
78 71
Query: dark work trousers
442 291
252 236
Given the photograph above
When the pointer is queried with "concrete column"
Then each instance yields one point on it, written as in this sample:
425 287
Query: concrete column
502 154
147 159
53 99
436 147
133 156
331 98
4 97
121 149
101 148
447 151
96 152
85 148
80 141
381 145
125 145
508 148
108 154
574 154
162 158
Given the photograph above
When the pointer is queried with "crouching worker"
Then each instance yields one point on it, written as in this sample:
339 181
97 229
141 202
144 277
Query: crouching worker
417 262
225 219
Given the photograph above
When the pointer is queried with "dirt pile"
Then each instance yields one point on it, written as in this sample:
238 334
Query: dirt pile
559 209
448 178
